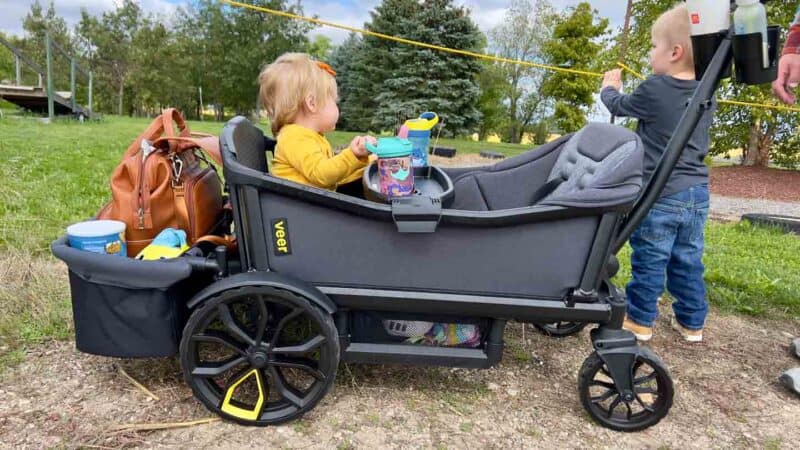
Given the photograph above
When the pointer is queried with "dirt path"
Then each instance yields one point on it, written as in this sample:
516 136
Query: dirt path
727 396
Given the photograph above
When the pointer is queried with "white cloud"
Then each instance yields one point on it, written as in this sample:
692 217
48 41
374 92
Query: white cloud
14 11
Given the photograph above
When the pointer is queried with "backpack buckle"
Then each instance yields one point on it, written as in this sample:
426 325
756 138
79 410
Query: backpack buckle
177 168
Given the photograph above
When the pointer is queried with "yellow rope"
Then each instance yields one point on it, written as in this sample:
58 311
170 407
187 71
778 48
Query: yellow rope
633 72
473 54
760 105
410 42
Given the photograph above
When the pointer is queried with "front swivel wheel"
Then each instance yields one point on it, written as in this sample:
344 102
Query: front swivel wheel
259 355
640 407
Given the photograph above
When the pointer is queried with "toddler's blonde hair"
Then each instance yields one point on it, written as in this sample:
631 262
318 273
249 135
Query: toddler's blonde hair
673 27
285 84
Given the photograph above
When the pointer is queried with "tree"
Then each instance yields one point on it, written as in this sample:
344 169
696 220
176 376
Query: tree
37 25
320 47
153 87
231 45
403 80
493 87
7 68
574 44
371 60
344 59
109 46
520 36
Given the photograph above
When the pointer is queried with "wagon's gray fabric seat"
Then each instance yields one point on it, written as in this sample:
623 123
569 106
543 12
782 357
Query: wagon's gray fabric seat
600 166
247 143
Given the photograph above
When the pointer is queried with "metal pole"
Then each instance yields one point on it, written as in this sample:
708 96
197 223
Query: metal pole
72 83
50 108
19 72
200 90
90 94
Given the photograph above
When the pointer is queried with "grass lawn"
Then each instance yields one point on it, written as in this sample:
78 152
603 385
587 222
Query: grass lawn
57 174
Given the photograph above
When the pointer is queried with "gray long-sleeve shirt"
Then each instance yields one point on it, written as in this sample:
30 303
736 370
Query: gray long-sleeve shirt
658 103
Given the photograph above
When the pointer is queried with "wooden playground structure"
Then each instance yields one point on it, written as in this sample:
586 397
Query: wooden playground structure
43 98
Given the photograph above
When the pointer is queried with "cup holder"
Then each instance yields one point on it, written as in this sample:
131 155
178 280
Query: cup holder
704 47
748 55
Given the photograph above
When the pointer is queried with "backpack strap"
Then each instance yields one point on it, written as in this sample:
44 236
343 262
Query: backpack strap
209 144
228 241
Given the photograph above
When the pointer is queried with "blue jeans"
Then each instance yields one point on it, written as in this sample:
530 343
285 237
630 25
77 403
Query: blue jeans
669 244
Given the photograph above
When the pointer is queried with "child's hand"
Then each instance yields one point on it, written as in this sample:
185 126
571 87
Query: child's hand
612 78
358 147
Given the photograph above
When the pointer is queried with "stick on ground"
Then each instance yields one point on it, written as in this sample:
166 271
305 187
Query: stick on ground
162 426
137 384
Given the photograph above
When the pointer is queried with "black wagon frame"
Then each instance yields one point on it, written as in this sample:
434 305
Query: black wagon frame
318 259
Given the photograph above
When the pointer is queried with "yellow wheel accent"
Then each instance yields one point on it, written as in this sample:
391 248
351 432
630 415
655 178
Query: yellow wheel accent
242 413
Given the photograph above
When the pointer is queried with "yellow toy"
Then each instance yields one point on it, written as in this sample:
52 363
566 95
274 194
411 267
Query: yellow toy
170 243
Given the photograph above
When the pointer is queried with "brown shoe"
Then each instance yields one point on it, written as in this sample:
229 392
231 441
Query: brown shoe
688 335
641 332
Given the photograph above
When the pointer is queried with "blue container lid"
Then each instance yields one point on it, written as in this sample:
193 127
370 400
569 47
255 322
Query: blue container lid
391 147
95 228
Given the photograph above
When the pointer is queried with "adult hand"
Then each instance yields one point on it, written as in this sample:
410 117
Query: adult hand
788 78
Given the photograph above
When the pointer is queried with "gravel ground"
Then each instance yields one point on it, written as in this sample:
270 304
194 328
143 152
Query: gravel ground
731 208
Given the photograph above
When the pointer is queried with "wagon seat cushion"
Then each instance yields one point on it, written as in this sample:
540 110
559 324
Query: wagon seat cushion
599 166
248 143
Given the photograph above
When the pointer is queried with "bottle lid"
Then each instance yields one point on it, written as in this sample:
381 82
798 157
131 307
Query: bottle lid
391 147
426 121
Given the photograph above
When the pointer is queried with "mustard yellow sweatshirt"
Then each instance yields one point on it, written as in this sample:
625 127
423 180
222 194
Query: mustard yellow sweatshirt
305 156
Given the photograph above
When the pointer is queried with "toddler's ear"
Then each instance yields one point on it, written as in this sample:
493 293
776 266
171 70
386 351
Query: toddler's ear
678 51
310 104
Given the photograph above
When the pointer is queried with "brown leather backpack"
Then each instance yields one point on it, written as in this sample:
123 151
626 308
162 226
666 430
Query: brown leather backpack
161 183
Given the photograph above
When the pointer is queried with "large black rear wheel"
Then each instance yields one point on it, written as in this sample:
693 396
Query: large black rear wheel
259 355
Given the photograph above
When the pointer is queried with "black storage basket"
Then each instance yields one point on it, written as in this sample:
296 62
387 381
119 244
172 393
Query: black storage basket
704 46
748 55
124 307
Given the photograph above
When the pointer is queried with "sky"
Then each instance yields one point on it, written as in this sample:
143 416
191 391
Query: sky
486 13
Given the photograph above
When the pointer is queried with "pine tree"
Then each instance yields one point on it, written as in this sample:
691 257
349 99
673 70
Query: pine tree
371 62
344 59
397 81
